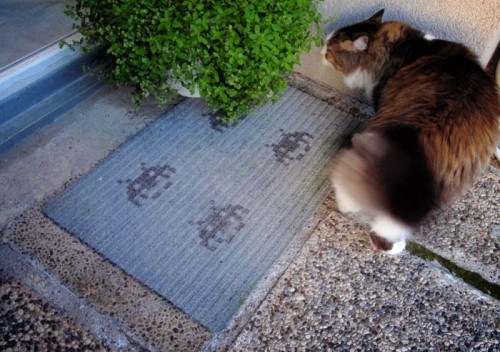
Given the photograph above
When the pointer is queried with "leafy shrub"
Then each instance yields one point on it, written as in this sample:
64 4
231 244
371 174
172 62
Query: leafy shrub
234 51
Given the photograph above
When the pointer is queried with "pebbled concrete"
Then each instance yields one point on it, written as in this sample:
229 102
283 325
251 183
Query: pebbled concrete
468 231
57 298
341 295
28 322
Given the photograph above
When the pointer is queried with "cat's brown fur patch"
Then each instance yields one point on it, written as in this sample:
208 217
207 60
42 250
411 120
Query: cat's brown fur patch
455 112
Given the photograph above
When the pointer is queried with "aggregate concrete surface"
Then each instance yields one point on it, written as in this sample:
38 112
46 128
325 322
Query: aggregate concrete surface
337 294
467 232
28 322
341 295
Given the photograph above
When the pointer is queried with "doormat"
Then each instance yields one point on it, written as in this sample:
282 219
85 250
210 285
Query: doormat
199 211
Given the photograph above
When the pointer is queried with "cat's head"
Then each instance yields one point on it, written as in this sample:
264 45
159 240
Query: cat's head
345 47
348 51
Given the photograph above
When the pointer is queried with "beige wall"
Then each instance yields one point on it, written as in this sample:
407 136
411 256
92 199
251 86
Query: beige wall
475 23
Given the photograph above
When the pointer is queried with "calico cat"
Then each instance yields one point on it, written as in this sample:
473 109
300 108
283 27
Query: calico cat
435 126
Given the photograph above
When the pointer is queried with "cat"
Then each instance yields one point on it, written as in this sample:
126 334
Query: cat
435 126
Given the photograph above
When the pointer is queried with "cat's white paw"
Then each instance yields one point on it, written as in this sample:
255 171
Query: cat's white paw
389 235
383 244
397 247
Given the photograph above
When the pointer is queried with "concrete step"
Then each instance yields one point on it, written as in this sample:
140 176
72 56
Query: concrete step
35 92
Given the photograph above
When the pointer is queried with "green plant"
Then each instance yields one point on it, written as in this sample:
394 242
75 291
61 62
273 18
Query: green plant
234 51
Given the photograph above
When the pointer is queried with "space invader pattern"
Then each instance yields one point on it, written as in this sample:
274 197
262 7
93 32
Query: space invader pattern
221 224
149 184
292 146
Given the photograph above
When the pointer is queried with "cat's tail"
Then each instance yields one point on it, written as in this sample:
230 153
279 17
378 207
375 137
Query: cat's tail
385 173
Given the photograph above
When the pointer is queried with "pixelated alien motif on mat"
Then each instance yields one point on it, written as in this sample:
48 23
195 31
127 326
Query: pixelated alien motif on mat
221 225
149 184
292 146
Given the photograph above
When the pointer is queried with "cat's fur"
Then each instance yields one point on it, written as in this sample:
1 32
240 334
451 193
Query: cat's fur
435 126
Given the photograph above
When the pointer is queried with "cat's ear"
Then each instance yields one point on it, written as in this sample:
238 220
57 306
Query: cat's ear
361 43
377 18
356 45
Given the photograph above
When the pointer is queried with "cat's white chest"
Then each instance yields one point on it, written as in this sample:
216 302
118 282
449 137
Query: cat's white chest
360 79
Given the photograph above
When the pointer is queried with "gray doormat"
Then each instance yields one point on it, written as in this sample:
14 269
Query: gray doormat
198 211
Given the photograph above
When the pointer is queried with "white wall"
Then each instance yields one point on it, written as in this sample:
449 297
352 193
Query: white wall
475 23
